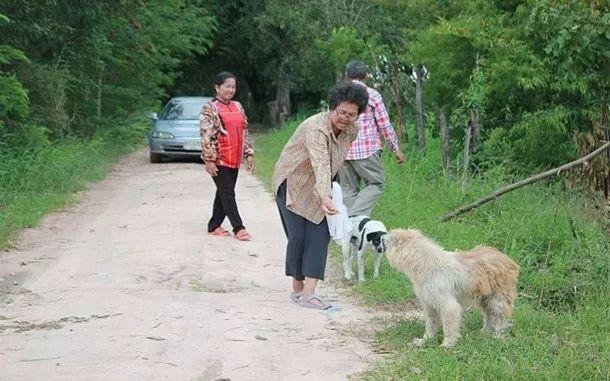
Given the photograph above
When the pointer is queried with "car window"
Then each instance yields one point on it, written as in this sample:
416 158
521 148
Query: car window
181 110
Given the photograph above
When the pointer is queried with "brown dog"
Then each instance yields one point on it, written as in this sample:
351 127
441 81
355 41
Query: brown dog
446 282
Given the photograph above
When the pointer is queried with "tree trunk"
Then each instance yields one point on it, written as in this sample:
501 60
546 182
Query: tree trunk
419 101
283 98
467 144
99 94
476 129
397 95
442 121
604 124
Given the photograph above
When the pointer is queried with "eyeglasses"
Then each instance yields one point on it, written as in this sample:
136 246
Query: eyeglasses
346 115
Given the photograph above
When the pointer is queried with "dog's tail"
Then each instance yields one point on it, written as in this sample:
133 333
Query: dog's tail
492 274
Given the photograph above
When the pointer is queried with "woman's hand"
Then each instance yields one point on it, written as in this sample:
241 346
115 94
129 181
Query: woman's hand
250 163
210 167
328 207
400 157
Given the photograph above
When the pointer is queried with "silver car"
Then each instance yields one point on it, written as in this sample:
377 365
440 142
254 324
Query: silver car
176 132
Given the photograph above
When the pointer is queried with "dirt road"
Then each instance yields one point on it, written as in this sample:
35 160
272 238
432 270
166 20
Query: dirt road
126 285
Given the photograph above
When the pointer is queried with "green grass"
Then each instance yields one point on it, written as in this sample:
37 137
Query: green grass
36 181
560 326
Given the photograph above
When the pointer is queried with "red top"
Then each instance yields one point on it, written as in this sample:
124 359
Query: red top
231 144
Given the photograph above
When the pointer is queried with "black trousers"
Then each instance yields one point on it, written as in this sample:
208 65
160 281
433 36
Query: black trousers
224 202
307 247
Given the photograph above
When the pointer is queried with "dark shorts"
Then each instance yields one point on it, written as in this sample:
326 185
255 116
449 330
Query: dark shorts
307 247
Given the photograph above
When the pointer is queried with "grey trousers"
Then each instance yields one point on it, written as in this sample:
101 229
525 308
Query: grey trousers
362 182
307 247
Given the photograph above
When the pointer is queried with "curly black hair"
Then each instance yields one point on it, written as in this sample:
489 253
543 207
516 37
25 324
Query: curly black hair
348 91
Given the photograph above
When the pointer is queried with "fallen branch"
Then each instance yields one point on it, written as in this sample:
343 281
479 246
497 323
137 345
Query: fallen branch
530 180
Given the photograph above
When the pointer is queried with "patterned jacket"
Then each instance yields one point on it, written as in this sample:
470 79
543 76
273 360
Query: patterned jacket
210 126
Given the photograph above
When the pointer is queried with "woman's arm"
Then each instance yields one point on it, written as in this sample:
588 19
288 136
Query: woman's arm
248 150
208 131
317 148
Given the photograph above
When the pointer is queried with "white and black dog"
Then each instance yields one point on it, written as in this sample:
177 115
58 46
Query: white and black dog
365 234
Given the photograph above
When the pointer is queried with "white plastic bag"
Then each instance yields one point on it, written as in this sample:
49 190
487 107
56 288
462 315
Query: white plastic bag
338 224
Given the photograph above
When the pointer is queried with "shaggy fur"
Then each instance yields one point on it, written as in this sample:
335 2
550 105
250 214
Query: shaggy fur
366 234
446 282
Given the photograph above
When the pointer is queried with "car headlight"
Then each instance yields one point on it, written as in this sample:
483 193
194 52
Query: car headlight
162 135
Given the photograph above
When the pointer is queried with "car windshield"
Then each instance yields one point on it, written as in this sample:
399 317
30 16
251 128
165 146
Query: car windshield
182 110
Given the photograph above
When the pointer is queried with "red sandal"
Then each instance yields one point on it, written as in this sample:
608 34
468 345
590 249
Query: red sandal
243 235
220 232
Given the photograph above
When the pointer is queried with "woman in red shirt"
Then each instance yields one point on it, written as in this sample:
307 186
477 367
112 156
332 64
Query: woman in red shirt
224 141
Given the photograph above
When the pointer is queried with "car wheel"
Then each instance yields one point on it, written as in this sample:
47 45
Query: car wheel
155 158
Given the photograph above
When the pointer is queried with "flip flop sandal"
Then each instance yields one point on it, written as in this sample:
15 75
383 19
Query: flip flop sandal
220 232
307 303
243 235
295 297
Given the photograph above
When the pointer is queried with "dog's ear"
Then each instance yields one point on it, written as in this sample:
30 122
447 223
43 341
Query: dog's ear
370 237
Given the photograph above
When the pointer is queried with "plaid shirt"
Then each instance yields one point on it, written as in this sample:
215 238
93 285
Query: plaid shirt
374 122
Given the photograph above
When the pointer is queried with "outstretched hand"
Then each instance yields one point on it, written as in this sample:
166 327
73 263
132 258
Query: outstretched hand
328 207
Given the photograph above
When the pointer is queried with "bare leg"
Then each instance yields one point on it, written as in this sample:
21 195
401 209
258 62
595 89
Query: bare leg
309 287
297 285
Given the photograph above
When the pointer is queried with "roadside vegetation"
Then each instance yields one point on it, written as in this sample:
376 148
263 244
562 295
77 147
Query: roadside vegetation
45 177
560 327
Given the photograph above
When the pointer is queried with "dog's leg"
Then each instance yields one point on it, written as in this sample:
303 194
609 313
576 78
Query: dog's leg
346 249
497 314
378 257
484 307
451 317
352 257
361 265
433 323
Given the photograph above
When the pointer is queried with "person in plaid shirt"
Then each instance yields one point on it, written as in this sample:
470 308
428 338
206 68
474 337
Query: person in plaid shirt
363 163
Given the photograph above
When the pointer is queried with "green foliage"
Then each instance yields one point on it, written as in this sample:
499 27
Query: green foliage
540 139
44 177
342 46
95 62
14 105
574 40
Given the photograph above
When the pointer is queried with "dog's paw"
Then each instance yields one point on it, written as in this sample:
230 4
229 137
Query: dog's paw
448 343
417 342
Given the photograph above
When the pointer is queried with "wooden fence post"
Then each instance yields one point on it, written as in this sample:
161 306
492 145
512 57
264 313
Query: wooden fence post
419 101
467 140
442 121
